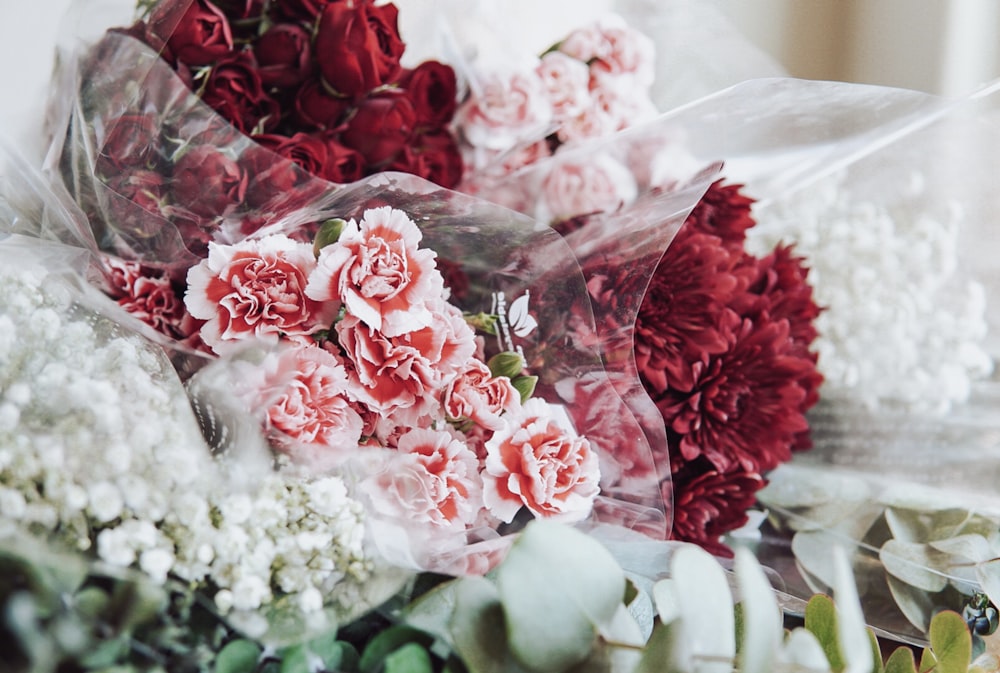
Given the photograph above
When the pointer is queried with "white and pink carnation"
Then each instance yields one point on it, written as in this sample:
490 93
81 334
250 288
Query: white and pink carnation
508 107
567 83
406 372
379 272
431 479
535 462
611 45
585 185
478 396
256 289
309 412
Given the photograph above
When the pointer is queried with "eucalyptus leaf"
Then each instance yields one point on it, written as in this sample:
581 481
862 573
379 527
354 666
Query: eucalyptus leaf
335 654
477 627
660 653
796 487
821 621
988 574
106 653
433 611
916 564
295 660
907 525
238 656
812 551
853 634
706 608
558 588
968 546
387 641
410 658
761 618
951 642
803 650
901 661
915 604
667 603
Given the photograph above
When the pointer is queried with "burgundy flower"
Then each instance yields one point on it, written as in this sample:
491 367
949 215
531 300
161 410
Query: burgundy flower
431 87
433 156
358 46
744 408
241 10
708 503
271 179
207 182
196 37
380 128
684 315
131 141
235 90
305 11
320 155
315 107
724 212
284 55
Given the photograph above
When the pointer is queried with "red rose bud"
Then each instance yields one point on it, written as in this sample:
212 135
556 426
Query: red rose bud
131 142
207 182
234 89
432 89
317 154
284 55
433 156
315 108
358 46
380 128
196 33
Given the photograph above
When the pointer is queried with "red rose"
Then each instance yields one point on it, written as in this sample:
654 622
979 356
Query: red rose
241 9
319 155
284 55
197 37
315 108
271 179
380 127
358 46
207 182
135 203
130 142
432 90
433 156
305 11
234 89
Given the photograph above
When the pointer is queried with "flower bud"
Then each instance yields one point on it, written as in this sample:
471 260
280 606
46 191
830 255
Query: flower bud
507 364
329 232
525 385
483 322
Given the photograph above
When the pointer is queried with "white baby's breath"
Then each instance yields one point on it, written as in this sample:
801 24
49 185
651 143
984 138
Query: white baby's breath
902 327
99 448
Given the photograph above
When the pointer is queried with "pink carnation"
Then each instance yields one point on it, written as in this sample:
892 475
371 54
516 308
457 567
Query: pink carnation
431 480
533 462
509 107
610 45
476 395
585 185
255 289
407 371
380 274
567 83
309 414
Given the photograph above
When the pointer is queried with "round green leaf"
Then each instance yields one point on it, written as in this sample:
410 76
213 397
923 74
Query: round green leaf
238 656
915 604
559 588
951 642
388 641
477 627
410 658
802 649
821 621
916 564
971 547
901 661
295 660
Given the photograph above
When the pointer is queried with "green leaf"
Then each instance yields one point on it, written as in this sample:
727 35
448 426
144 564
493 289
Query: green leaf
105 654
507 364
915 604
238 656
295 660
433 611
410 658
478 629
91 602
761 619
970 546
336 654
927 661
821 621
876 652
915 563
329 232
558 588
951 642
988 574
851 630
136 602
387 642
525 386
659 655
802 649
901 661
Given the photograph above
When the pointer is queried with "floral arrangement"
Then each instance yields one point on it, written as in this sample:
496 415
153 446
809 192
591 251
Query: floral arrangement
321 84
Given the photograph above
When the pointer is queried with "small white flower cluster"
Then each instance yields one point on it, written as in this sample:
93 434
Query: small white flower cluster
99 447
902 327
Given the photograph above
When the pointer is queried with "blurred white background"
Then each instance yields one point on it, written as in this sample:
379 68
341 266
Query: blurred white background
947 47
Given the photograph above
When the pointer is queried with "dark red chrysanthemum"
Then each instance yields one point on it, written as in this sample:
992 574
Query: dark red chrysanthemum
745 407
708 503
685 314
724 212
